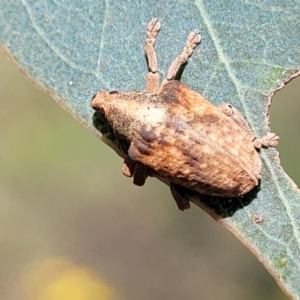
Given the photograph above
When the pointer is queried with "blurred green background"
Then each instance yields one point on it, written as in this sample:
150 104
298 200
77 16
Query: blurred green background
72 227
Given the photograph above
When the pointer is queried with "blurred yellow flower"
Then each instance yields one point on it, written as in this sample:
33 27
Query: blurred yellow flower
60 279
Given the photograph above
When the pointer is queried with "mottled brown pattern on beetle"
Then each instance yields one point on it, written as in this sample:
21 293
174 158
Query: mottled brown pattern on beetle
192 143
197 141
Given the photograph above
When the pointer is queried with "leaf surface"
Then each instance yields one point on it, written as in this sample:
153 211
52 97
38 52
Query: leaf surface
248 49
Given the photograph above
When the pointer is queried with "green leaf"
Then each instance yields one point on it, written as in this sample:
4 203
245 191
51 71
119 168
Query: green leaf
248 49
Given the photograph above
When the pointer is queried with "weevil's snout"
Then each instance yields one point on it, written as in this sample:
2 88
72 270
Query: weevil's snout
99 101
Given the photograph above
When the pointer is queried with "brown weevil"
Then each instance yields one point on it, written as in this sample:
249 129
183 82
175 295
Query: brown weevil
174 133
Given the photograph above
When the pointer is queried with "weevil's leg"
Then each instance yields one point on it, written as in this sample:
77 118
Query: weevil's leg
136 170
152 84
270 140
193 40
140 174
128 167
132 167
179 197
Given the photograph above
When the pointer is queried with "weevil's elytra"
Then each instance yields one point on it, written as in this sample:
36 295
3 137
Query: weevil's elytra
173 132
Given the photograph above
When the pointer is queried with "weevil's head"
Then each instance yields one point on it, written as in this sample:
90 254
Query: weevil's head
101 104
101 101
114 109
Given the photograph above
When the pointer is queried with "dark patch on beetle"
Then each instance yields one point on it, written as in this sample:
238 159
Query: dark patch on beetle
148 135
142 147
171 92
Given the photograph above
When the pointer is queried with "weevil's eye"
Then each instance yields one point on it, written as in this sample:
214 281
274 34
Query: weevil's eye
113 92
94 97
